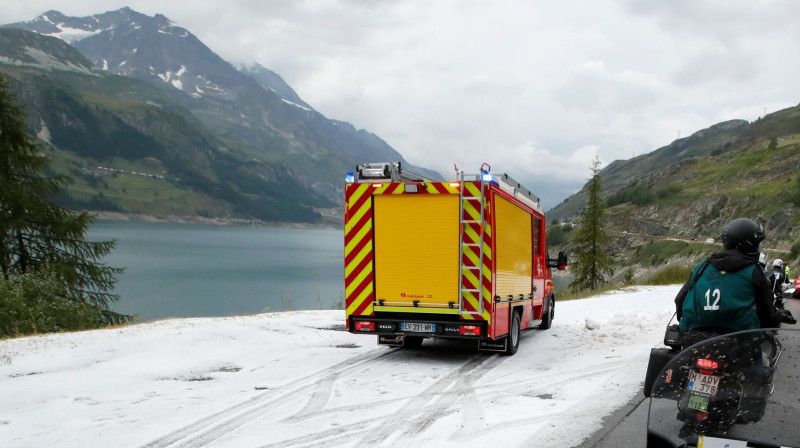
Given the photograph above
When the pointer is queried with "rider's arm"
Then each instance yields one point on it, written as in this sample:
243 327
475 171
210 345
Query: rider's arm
679 299
768 316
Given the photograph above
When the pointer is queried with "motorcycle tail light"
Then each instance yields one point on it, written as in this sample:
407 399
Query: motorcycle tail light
707 364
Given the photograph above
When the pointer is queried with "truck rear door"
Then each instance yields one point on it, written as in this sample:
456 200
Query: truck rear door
416 251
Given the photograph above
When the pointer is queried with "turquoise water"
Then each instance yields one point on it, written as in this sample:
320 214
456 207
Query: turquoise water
189 270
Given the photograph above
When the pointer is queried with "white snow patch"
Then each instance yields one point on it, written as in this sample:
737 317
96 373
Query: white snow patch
295 105
69 34
298 379
44 133
198 92
174 77
592 324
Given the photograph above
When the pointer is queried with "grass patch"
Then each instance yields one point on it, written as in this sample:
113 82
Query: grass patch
566 294
670 275
659 252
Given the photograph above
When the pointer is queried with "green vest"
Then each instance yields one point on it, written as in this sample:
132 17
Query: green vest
721 299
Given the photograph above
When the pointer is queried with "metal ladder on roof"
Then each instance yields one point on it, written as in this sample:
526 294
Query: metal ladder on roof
468 222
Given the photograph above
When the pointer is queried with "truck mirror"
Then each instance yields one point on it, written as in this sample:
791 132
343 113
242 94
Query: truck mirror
559 263
562 261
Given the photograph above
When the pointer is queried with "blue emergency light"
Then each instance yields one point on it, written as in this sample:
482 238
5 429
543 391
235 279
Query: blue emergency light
350 177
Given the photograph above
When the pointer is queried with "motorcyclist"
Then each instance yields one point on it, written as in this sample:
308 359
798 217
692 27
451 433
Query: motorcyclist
729 292
778 281
762 261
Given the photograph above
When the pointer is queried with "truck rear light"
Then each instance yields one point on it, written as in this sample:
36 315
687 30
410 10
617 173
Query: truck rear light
365 326
470 330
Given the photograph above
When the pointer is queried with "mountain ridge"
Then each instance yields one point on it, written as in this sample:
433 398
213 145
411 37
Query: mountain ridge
662 207
251 112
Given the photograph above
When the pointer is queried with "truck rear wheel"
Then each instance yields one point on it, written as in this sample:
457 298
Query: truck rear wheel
549 313
513 334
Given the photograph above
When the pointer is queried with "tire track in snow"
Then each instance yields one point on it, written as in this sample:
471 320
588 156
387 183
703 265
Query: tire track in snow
213 426
442 398
434 402
452 393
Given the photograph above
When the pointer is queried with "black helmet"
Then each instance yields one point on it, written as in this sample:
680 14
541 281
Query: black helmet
744 235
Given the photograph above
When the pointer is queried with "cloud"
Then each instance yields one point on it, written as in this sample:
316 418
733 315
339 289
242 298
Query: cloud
534 88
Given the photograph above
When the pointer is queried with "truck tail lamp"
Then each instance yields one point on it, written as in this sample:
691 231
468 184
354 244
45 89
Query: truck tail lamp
363 325
470 330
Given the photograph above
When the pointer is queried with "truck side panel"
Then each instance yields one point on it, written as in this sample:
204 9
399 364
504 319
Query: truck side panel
416 250
513 258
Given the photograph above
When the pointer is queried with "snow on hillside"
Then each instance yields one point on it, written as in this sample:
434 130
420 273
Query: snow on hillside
297 379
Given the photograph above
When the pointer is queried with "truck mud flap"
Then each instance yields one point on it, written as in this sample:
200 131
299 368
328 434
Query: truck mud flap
493 346
390 340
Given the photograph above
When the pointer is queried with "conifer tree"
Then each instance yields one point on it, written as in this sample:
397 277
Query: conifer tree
591 262
35 233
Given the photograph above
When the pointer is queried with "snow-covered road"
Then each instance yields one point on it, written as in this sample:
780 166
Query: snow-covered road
297 379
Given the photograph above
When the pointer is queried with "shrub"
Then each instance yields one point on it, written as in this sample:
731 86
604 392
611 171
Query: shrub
555 235
37 303
628 278
794 251
670 275
635 194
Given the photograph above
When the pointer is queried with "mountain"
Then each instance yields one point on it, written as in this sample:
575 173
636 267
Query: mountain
251 115
621 172
130 147
273 81
684 193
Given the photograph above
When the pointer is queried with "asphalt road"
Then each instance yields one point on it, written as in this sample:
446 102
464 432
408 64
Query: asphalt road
627 427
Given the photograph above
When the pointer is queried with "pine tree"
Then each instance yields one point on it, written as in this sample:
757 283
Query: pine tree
592 264
35 233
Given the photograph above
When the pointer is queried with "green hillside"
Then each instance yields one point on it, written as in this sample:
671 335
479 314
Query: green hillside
129 147
663 207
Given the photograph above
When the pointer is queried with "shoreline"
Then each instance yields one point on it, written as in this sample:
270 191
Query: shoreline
329 221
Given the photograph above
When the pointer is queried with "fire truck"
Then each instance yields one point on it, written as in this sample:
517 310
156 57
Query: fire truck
464 259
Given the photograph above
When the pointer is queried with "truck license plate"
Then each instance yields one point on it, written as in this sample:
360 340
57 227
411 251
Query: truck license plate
419 327
705 384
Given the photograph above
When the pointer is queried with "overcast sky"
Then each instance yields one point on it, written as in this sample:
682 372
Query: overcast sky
534 88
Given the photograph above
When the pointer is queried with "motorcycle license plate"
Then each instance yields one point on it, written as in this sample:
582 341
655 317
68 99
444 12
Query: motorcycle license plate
417 327
698 402
705 384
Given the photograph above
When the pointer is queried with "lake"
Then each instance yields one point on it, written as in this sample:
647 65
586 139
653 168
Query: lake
192 270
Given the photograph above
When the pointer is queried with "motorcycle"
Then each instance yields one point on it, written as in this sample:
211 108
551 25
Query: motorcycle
735 390
792 290
789 291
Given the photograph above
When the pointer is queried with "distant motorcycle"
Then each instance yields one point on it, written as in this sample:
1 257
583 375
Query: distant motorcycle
792 291
727 391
